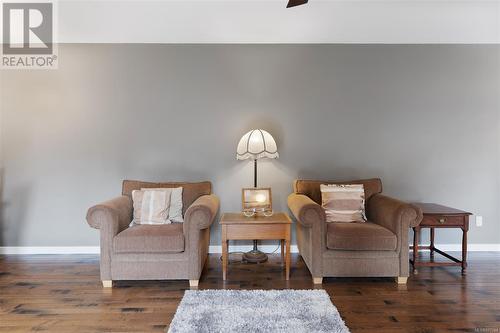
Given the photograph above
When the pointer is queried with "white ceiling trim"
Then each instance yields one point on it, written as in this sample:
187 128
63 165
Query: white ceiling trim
268 21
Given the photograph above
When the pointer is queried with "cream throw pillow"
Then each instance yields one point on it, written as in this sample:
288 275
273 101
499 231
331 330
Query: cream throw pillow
174 204
175 213
151 207
343 203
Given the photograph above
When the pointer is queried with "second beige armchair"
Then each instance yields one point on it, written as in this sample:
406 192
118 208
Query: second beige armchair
378 247
151 252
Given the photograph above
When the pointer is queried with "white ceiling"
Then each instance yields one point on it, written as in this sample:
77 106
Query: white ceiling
268 21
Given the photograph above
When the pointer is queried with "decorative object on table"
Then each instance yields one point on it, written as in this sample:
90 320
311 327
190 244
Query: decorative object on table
343 203
155 252
440 217
377 247
235 226
257 311
256 201
256 144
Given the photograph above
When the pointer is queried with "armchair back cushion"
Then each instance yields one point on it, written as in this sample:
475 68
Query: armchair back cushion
311 188
190 191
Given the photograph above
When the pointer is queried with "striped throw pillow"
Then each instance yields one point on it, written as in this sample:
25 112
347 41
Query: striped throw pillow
175 209
343 203
151 206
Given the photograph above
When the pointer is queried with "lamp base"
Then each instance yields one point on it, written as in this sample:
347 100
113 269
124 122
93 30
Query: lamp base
255 256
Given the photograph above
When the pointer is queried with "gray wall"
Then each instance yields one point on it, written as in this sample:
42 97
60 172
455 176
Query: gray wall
423 118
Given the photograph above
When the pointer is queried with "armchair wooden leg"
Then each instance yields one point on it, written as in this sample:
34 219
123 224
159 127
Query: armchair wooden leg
317 280
107 283
193 283
401 279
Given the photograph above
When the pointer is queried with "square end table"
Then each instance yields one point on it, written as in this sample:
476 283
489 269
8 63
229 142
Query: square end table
440 217
236 226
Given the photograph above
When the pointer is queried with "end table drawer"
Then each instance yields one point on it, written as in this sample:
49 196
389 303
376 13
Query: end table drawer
254 231
437 220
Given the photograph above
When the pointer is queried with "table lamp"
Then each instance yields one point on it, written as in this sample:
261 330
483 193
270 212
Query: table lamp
255 145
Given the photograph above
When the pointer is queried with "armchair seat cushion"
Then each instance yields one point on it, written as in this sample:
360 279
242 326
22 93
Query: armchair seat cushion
364 236
168 238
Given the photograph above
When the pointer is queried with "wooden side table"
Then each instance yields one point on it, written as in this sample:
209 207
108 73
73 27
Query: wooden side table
236 226
436 217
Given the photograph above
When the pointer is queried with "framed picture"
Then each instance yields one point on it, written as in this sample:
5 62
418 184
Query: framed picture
256 199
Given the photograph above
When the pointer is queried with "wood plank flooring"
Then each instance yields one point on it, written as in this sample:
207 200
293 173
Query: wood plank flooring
62 293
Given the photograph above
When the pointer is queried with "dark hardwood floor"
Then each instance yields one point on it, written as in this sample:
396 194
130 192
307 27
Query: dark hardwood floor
61 293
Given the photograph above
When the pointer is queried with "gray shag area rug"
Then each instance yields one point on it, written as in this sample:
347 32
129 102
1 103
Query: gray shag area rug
257 311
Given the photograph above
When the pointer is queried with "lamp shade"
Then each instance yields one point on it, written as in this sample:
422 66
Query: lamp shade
256 144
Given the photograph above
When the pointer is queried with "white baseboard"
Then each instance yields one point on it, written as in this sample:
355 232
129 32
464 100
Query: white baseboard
470 247
96 250
212 249
246 248
294 248
49 250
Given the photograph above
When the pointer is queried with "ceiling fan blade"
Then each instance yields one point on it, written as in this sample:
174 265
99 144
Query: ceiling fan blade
293 3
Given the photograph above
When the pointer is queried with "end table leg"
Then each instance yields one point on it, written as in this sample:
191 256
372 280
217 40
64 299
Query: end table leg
224 259
287 264
464 251
432 242
282 243
416 231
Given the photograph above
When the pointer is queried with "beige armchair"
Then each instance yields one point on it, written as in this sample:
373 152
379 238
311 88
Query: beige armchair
154 252
376 248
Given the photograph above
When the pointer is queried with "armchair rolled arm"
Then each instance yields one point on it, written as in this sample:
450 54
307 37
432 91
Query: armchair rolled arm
392 213
110 218
306 211
202 212
114 214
